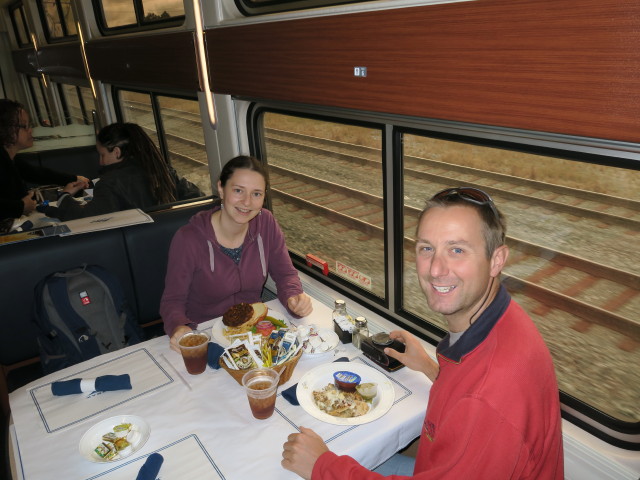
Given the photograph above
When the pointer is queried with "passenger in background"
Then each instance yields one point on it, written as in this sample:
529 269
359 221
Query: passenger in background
494 409
133 175
15 133
223 256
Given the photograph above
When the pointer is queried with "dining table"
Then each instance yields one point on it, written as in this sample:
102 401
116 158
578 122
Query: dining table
202 425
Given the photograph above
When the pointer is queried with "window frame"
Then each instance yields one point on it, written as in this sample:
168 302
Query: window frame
17 9
63 24
139 25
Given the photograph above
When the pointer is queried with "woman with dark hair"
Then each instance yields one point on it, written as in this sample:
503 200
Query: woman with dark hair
224 255
15 134
133 175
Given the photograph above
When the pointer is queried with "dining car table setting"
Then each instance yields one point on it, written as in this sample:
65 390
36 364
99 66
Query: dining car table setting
137 413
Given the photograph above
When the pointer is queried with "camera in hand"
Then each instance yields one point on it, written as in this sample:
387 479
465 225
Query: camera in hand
373 348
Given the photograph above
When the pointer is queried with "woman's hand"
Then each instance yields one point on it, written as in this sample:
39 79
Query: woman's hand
300 305
175 336
84 180
415 357
29 203
301 450
74 187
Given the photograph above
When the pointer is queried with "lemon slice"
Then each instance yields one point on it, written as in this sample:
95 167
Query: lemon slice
367 390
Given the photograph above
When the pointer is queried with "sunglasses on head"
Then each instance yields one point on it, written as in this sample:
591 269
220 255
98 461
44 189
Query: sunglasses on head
469 194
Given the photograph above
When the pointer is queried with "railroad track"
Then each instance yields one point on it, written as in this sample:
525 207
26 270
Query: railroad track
538 193
363 212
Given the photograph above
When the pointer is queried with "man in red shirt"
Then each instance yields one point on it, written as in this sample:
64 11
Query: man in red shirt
494 408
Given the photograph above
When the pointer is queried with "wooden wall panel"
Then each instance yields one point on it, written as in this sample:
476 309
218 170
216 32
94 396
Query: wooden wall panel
570 66
152 61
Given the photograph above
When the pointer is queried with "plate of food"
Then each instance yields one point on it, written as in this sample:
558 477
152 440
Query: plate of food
245 317
344 393
114 438
316 341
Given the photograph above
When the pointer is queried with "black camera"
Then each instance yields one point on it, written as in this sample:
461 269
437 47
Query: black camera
373 348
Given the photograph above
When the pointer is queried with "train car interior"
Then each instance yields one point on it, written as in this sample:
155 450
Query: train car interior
360 110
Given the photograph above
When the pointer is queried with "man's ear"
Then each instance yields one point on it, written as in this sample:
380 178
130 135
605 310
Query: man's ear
499 260
117 152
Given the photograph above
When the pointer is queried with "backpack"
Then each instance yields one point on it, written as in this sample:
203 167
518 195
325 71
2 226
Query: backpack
80 314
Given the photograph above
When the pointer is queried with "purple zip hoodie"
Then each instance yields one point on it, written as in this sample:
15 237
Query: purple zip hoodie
202 282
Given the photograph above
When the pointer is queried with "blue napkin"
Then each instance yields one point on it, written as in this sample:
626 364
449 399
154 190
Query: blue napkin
290 393
213 355
104 383
151 467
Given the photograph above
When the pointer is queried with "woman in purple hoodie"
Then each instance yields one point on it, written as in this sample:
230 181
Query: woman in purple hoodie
223 256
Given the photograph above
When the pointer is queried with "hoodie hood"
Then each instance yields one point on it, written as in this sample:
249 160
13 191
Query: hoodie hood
201 223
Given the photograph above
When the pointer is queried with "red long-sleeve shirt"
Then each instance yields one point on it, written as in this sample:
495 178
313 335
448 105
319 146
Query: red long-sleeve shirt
493 411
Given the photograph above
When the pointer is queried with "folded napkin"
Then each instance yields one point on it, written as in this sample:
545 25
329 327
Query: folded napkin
104 383
213 355
290 393
151 467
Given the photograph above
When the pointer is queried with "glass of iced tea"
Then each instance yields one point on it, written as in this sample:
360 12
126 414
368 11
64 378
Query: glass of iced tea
261 385
193 346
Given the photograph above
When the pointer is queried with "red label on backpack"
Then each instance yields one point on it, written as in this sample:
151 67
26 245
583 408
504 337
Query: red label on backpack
84 298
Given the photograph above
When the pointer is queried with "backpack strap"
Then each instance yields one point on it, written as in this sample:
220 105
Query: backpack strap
78 327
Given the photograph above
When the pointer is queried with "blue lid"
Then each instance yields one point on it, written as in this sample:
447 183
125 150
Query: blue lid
346 377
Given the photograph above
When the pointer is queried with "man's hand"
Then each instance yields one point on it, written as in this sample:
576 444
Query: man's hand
301 451
415 357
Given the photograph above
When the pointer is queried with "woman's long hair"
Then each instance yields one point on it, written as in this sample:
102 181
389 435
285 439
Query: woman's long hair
9 120
136 146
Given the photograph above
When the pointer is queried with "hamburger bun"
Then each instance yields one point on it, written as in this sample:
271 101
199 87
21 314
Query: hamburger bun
244 315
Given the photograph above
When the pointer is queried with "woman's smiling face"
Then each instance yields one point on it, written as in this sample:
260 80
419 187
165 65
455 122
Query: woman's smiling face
242 195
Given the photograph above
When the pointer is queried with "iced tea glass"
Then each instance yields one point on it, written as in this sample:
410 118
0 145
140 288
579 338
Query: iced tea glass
261 385
193 346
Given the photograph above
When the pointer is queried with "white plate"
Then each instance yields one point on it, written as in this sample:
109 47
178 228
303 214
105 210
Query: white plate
328 337
137 437
217 332
320 377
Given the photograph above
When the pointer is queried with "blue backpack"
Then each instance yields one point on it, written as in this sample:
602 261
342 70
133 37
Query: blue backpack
80 314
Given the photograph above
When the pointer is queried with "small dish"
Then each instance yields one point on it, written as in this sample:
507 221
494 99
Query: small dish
137 437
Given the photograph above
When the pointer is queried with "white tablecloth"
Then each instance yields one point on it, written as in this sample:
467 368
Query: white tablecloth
200 424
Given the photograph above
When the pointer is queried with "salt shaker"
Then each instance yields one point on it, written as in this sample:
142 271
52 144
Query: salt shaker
342 321
361 330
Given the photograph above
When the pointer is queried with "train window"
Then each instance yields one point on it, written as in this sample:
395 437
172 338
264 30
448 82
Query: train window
58 19
569 226
174 125
327 189
42 107
184 138
88 103
118 14
74 103
262 7
19 22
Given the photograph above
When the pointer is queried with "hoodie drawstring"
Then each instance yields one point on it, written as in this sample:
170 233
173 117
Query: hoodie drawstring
262 259
211 263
